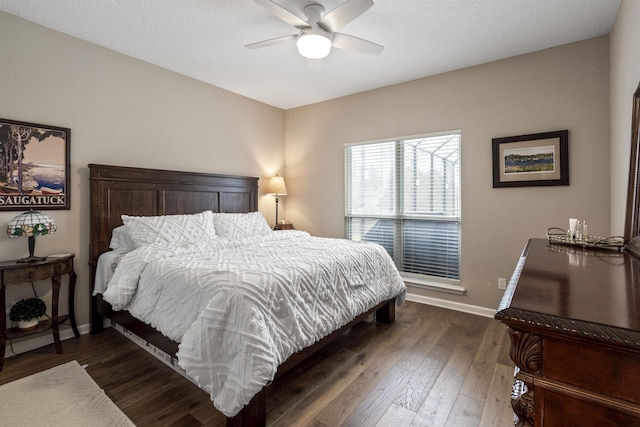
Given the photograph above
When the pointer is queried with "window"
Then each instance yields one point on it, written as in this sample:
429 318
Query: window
405 196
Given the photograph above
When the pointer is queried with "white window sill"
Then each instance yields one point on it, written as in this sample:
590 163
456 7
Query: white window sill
432 285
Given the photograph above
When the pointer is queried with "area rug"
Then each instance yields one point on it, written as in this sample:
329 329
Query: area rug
61 396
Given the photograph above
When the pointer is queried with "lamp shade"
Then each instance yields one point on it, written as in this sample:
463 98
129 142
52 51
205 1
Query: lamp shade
313 45
276 186
31 223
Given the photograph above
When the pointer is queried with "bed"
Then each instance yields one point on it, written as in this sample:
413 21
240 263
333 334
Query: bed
139 193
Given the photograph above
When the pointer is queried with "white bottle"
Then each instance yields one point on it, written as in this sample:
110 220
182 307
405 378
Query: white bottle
573 227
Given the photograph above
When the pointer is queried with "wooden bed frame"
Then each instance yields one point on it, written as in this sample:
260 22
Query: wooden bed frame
117 190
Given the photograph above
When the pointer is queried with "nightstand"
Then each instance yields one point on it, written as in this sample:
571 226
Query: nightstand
14 273
287 226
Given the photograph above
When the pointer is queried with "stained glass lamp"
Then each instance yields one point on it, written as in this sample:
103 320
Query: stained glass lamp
31 224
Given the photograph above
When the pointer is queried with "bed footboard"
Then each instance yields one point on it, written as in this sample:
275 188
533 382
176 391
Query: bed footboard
255 413
387 313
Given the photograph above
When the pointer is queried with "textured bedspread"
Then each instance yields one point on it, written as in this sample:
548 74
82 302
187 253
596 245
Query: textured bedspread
239 308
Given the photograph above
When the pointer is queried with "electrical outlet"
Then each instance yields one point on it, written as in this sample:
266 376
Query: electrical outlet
502 283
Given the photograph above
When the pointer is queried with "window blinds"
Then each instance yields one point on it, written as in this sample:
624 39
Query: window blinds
405 196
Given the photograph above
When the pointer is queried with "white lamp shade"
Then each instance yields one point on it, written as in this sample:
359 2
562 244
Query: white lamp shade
276 186
31 223
313 46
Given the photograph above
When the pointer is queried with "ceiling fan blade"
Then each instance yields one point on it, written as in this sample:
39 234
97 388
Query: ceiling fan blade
282 13
356 44
271 42
344 14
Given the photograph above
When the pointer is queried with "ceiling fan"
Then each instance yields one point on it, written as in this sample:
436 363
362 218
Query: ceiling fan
317 30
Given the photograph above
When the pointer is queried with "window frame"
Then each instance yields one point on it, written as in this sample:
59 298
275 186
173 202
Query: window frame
451 285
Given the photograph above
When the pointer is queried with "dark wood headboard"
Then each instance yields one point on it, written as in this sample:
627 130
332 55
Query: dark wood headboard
118 190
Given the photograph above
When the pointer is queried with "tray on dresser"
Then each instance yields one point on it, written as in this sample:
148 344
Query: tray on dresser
562 237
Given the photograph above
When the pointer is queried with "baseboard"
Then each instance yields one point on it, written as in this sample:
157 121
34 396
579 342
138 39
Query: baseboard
452 305
23 345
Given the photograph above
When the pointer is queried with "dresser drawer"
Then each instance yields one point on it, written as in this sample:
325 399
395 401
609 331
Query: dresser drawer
28 274
607 370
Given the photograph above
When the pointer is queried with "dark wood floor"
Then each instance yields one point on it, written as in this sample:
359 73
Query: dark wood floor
431 367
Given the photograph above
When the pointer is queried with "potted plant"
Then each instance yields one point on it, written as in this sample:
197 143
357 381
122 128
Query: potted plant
26 312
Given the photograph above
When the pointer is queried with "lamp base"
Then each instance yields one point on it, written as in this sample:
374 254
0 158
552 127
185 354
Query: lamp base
32 258
32 247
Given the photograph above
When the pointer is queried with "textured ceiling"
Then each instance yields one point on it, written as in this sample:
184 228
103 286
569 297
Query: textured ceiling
204 39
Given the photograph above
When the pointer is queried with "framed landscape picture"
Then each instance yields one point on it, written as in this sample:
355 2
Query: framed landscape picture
34 166
531 160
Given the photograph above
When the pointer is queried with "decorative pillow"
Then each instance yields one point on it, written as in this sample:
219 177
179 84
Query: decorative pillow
238 225
121 240
170 229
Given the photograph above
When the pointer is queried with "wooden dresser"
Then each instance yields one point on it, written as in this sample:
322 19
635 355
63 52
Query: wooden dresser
573 316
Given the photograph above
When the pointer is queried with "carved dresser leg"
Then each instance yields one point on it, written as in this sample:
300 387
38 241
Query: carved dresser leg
523 407
526 353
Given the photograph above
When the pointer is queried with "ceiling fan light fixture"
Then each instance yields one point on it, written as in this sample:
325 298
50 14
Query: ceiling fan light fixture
313 45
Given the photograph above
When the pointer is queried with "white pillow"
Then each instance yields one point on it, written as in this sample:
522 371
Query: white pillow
238 225
170 229
121 240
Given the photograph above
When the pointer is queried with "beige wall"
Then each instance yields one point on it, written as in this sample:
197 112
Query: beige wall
561 88
125 112
625 75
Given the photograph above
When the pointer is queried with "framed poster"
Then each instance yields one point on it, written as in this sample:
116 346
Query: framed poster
34 166
531 160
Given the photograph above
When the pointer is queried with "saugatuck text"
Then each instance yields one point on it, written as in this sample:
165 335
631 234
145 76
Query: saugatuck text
31 200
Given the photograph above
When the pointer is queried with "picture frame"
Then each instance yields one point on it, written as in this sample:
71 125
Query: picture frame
34 166
538 159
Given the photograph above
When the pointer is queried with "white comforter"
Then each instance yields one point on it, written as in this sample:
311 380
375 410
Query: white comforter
239 308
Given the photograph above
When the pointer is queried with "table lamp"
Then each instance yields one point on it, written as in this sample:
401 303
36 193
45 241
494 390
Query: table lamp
31 224
277 188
